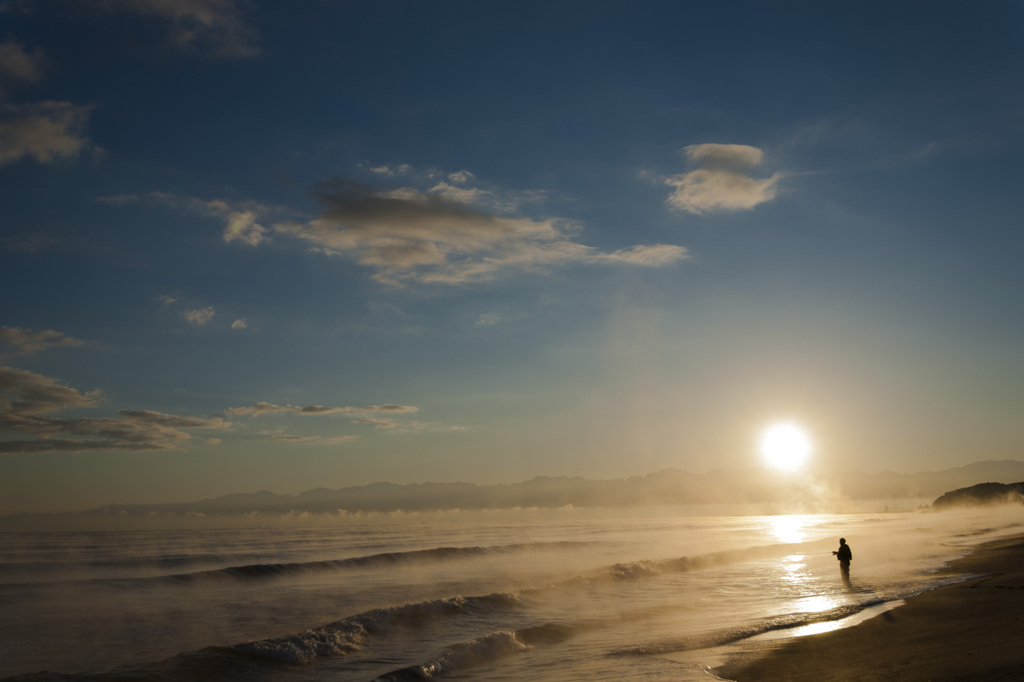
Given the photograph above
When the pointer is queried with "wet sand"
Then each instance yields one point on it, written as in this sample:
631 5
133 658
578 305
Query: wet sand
969 631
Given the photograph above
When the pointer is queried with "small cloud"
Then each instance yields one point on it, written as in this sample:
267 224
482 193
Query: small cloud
337 439
265 408
199 316
240 217
167 299
19 66
377 422
242 226
289 438
722 184
488 319
173 420
280 436
259 409
240 323
729 156
461 177
46 132
30 341
389 170
386 408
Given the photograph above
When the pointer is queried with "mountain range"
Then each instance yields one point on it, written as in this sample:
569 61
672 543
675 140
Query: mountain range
770 490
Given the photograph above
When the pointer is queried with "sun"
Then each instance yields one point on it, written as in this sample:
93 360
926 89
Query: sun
785 446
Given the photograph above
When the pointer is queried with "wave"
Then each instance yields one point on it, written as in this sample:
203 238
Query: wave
259 571
647 569
239 661
482 651
349 635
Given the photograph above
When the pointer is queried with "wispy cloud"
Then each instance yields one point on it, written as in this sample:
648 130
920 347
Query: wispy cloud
264 408
377 422
28 399
404 427
488 319
45 131
29 242
18 66
240 323
29 341
723 182
281 436
240 217
444 235
211 27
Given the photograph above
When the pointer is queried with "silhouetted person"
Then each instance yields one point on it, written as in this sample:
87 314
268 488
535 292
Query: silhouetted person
845 556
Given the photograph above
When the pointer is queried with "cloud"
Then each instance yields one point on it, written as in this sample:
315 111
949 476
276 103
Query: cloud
175 421
281 436
445 234
461 177
377 422
27 393
199 316
722 182
730 156
239 216
264 408
242 226
18 66
212 27
442 236
27 399
46 132
404 427
390 171
29 242
240 323
30 341
488 319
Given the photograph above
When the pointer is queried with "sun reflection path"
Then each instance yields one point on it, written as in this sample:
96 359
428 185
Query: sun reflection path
789 529
816 604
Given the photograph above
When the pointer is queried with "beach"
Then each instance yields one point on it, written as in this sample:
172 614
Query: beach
972 630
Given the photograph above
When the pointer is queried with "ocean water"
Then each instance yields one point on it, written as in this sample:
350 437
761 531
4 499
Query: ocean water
520 595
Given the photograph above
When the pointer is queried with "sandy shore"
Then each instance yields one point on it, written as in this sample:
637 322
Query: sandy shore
968 631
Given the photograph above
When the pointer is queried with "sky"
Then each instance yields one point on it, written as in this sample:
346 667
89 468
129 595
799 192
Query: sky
258 245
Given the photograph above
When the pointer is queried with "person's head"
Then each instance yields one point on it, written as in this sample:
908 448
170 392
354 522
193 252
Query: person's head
842 541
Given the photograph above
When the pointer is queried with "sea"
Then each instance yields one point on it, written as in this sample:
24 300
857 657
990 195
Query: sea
550 595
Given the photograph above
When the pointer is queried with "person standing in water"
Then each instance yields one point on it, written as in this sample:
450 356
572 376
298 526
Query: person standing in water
845 556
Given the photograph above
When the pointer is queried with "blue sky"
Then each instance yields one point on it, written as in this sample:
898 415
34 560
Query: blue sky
285 245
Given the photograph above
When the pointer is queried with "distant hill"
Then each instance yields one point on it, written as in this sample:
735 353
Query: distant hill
982 494
756 488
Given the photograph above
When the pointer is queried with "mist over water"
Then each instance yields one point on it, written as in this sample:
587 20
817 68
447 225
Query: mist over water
568 595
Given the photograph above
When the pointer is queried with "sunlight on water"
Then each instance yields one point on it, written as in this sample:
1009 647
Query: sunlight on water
816 604
795 570
789 529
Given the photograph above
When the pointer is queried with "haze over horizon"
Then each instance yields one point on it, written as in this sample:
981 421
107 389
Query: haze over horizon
253 245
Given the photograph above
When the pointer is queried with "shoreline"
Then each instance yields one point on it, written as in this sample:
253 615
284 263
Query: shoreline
970 630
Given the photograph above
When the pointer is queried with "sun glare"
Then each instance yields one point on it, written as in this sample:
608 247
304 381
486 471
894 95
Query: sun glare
785 446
